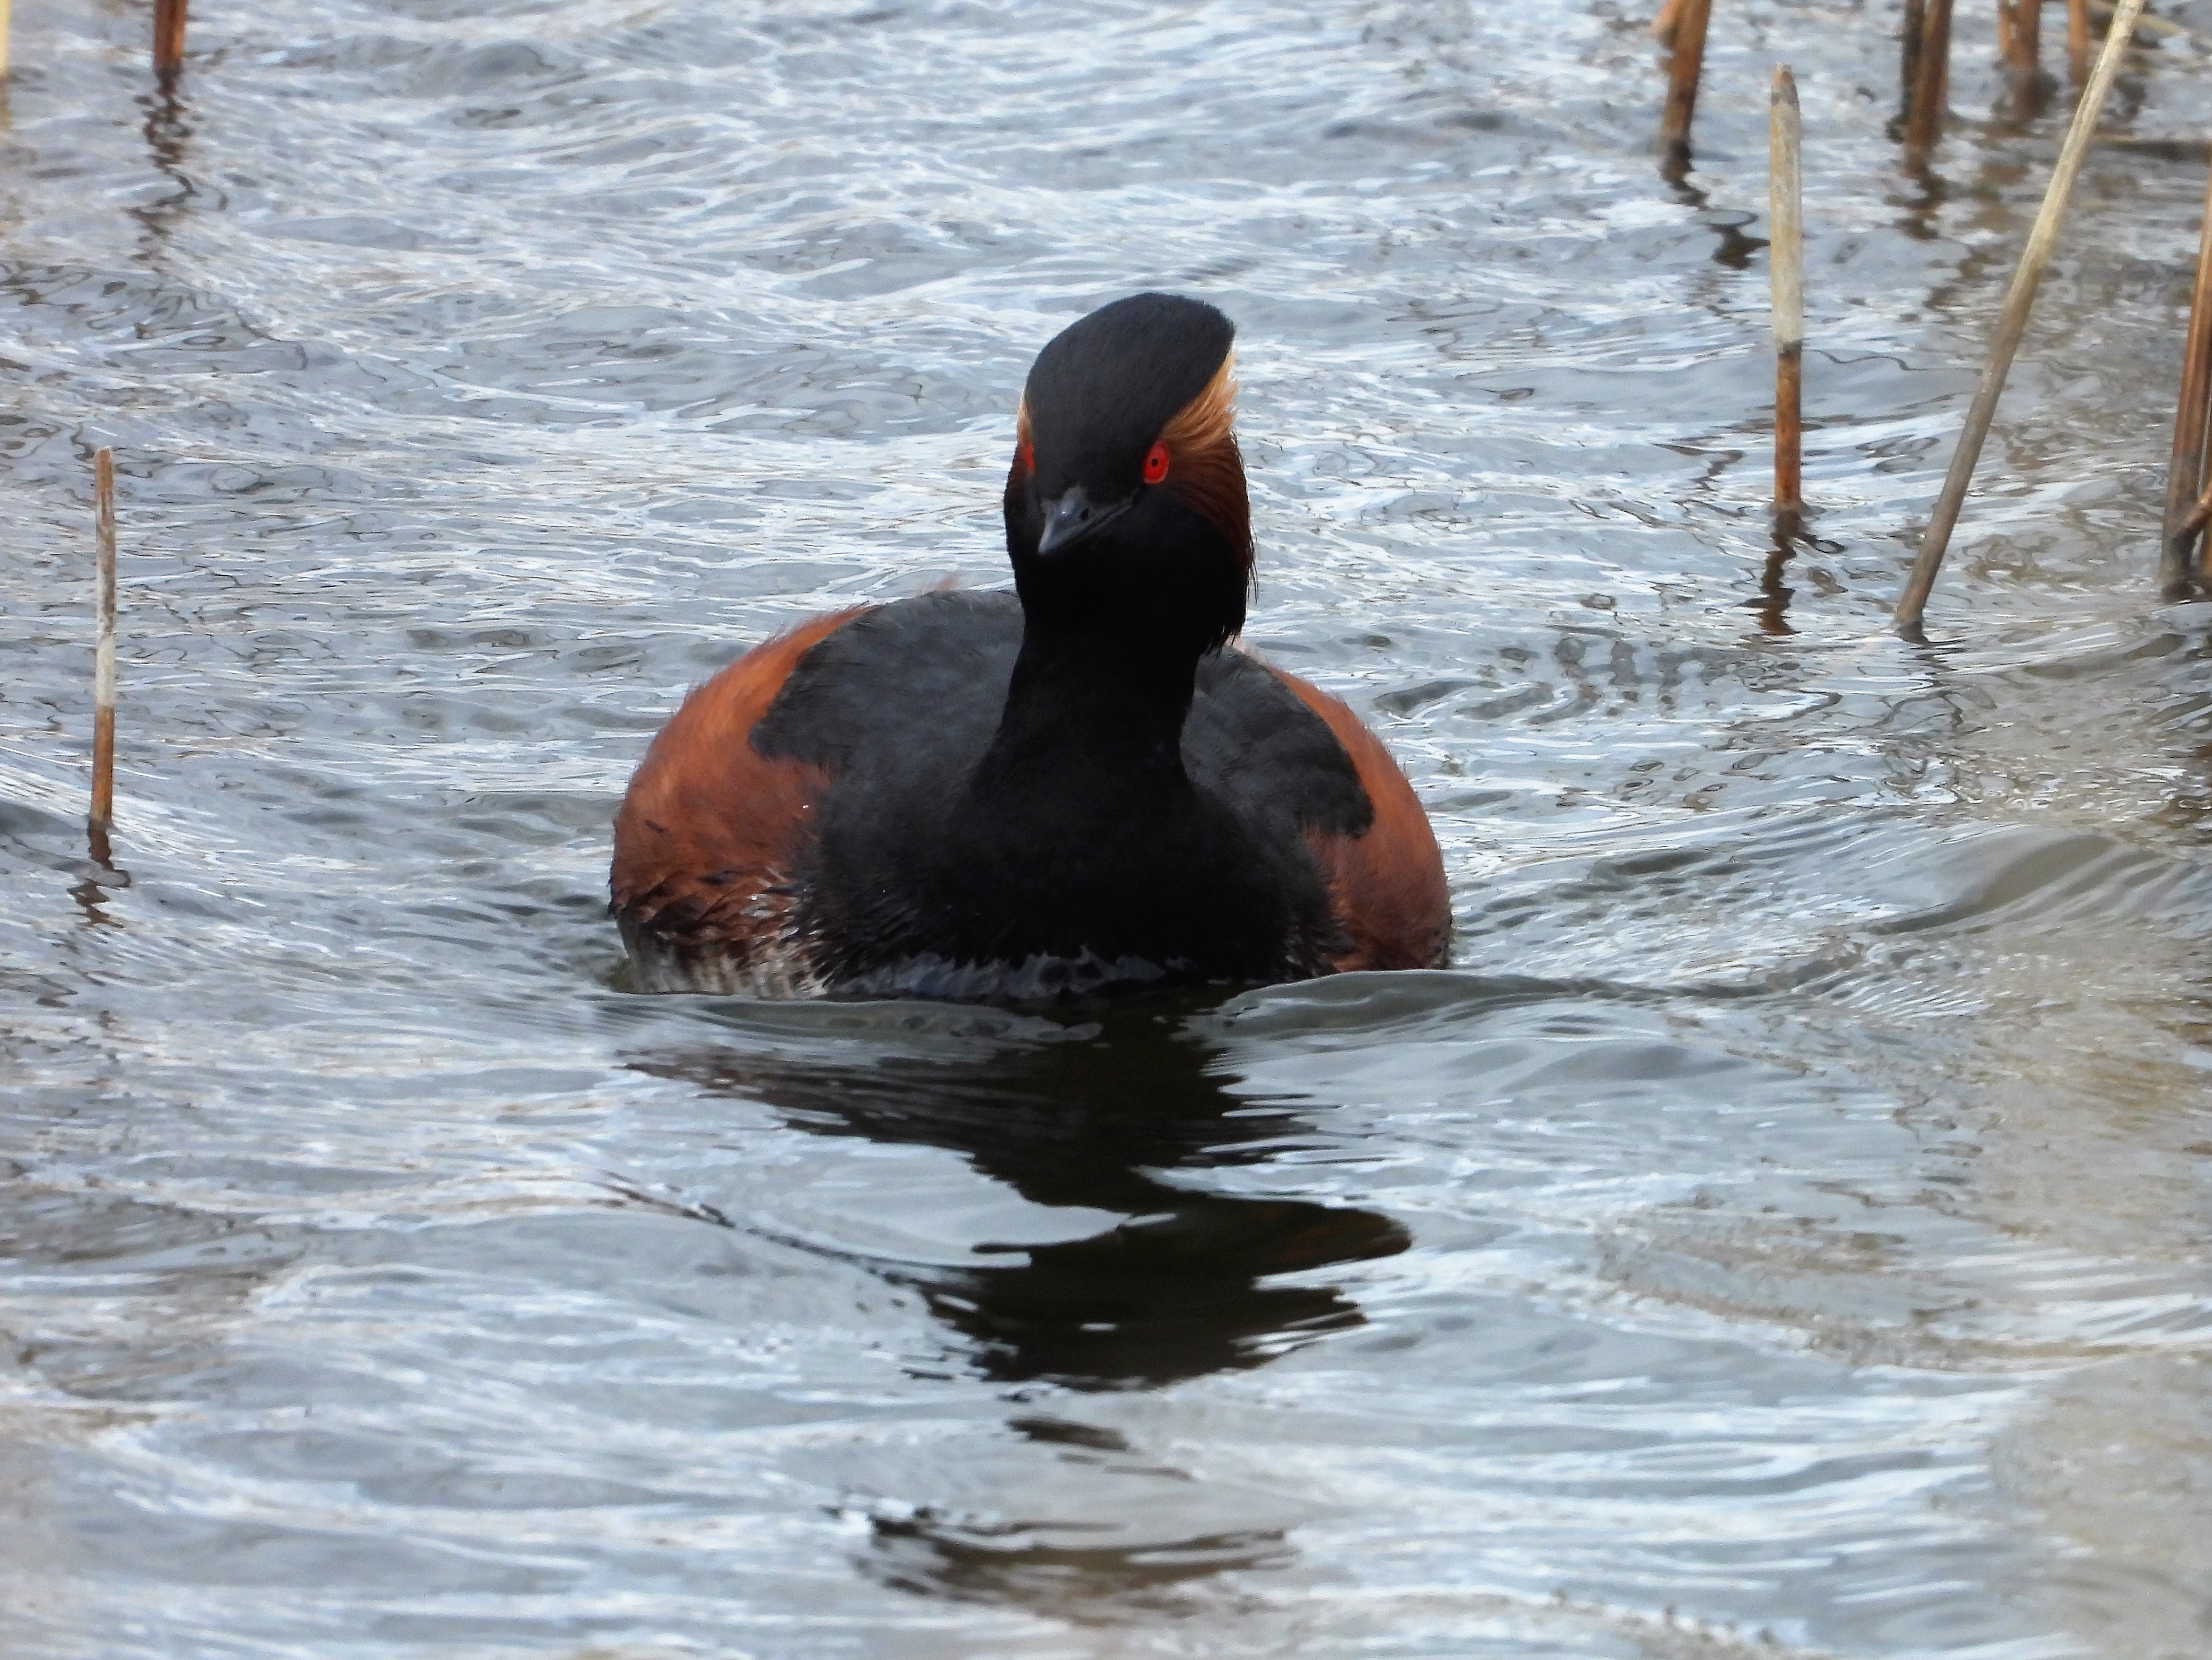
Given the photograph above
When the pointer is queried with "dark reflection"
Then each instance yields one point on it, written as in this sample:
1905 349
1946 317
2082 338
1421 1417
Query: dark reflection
1098 1119
2025 100
2185 150
91 897
1921 212
1791 535
168 142
1733 249
100 877
941 1555
1772 605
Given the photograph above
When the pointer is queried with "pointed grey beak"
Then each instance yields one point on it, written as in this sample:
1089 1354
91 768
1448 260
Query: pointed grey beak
1073 517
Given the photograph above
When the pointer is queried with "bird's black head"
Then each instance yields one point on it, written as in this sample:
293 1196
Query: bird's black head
1125 506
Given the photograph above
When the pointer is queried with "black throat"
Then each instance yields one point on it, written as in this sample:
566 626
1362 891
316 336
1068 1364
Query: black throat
1093 728
1080 831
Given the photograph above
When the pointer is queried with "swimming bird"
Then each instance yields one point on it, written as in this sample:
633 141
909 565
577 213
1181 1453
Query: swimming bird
1078 785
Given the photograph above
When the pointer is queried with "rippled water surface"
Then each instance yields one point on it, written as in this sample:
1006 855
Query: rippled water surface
1783 1231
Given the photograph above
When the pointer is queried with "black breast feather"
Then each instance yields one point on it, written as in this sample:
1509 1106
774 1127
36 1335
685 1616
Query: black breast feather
910 694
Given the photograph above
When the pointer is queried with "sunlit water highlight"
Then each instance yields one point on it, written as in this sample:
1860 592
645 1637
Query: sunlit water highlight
1783 1231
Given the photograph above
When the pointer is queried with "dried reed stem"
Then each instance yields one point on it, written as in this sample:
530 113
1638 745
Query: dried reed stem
2020 300
1683 75
2185 476
103 654
1663 26
2019 30
2200 515
1931 83
1785 257
2077 38
4 37
169 37
1908 39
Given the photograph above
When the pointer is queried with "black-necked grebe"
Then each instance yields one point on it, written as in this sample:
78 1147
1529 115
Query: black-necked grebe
1075 784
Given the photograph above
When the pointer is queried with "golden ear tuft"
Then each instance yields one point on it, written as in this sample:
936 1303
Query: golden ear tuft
1209 420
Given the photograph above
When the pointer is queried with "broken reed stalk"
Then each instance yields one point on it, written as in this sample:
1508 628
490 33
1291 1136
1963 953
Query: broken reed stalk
2077 40
2185 476
103 656
1931 83
1682 77
3 39
169 37
1785 257
2012 323
2200 515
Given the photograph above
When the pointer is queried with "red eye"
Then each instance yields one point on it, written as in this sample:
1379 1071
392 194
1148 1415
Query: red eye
1027 453
1156 463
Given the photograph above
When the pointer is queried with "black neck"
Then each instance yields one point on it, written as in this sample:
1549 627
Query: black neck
1090 710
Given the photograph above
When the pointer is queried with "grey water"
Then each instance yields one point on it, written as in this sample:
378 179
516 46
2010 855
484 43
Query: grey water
1783 1231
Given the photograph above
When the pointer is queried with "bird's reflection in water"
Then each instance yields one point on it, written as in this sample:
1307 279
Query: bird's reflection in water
1101 1115
934 1556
